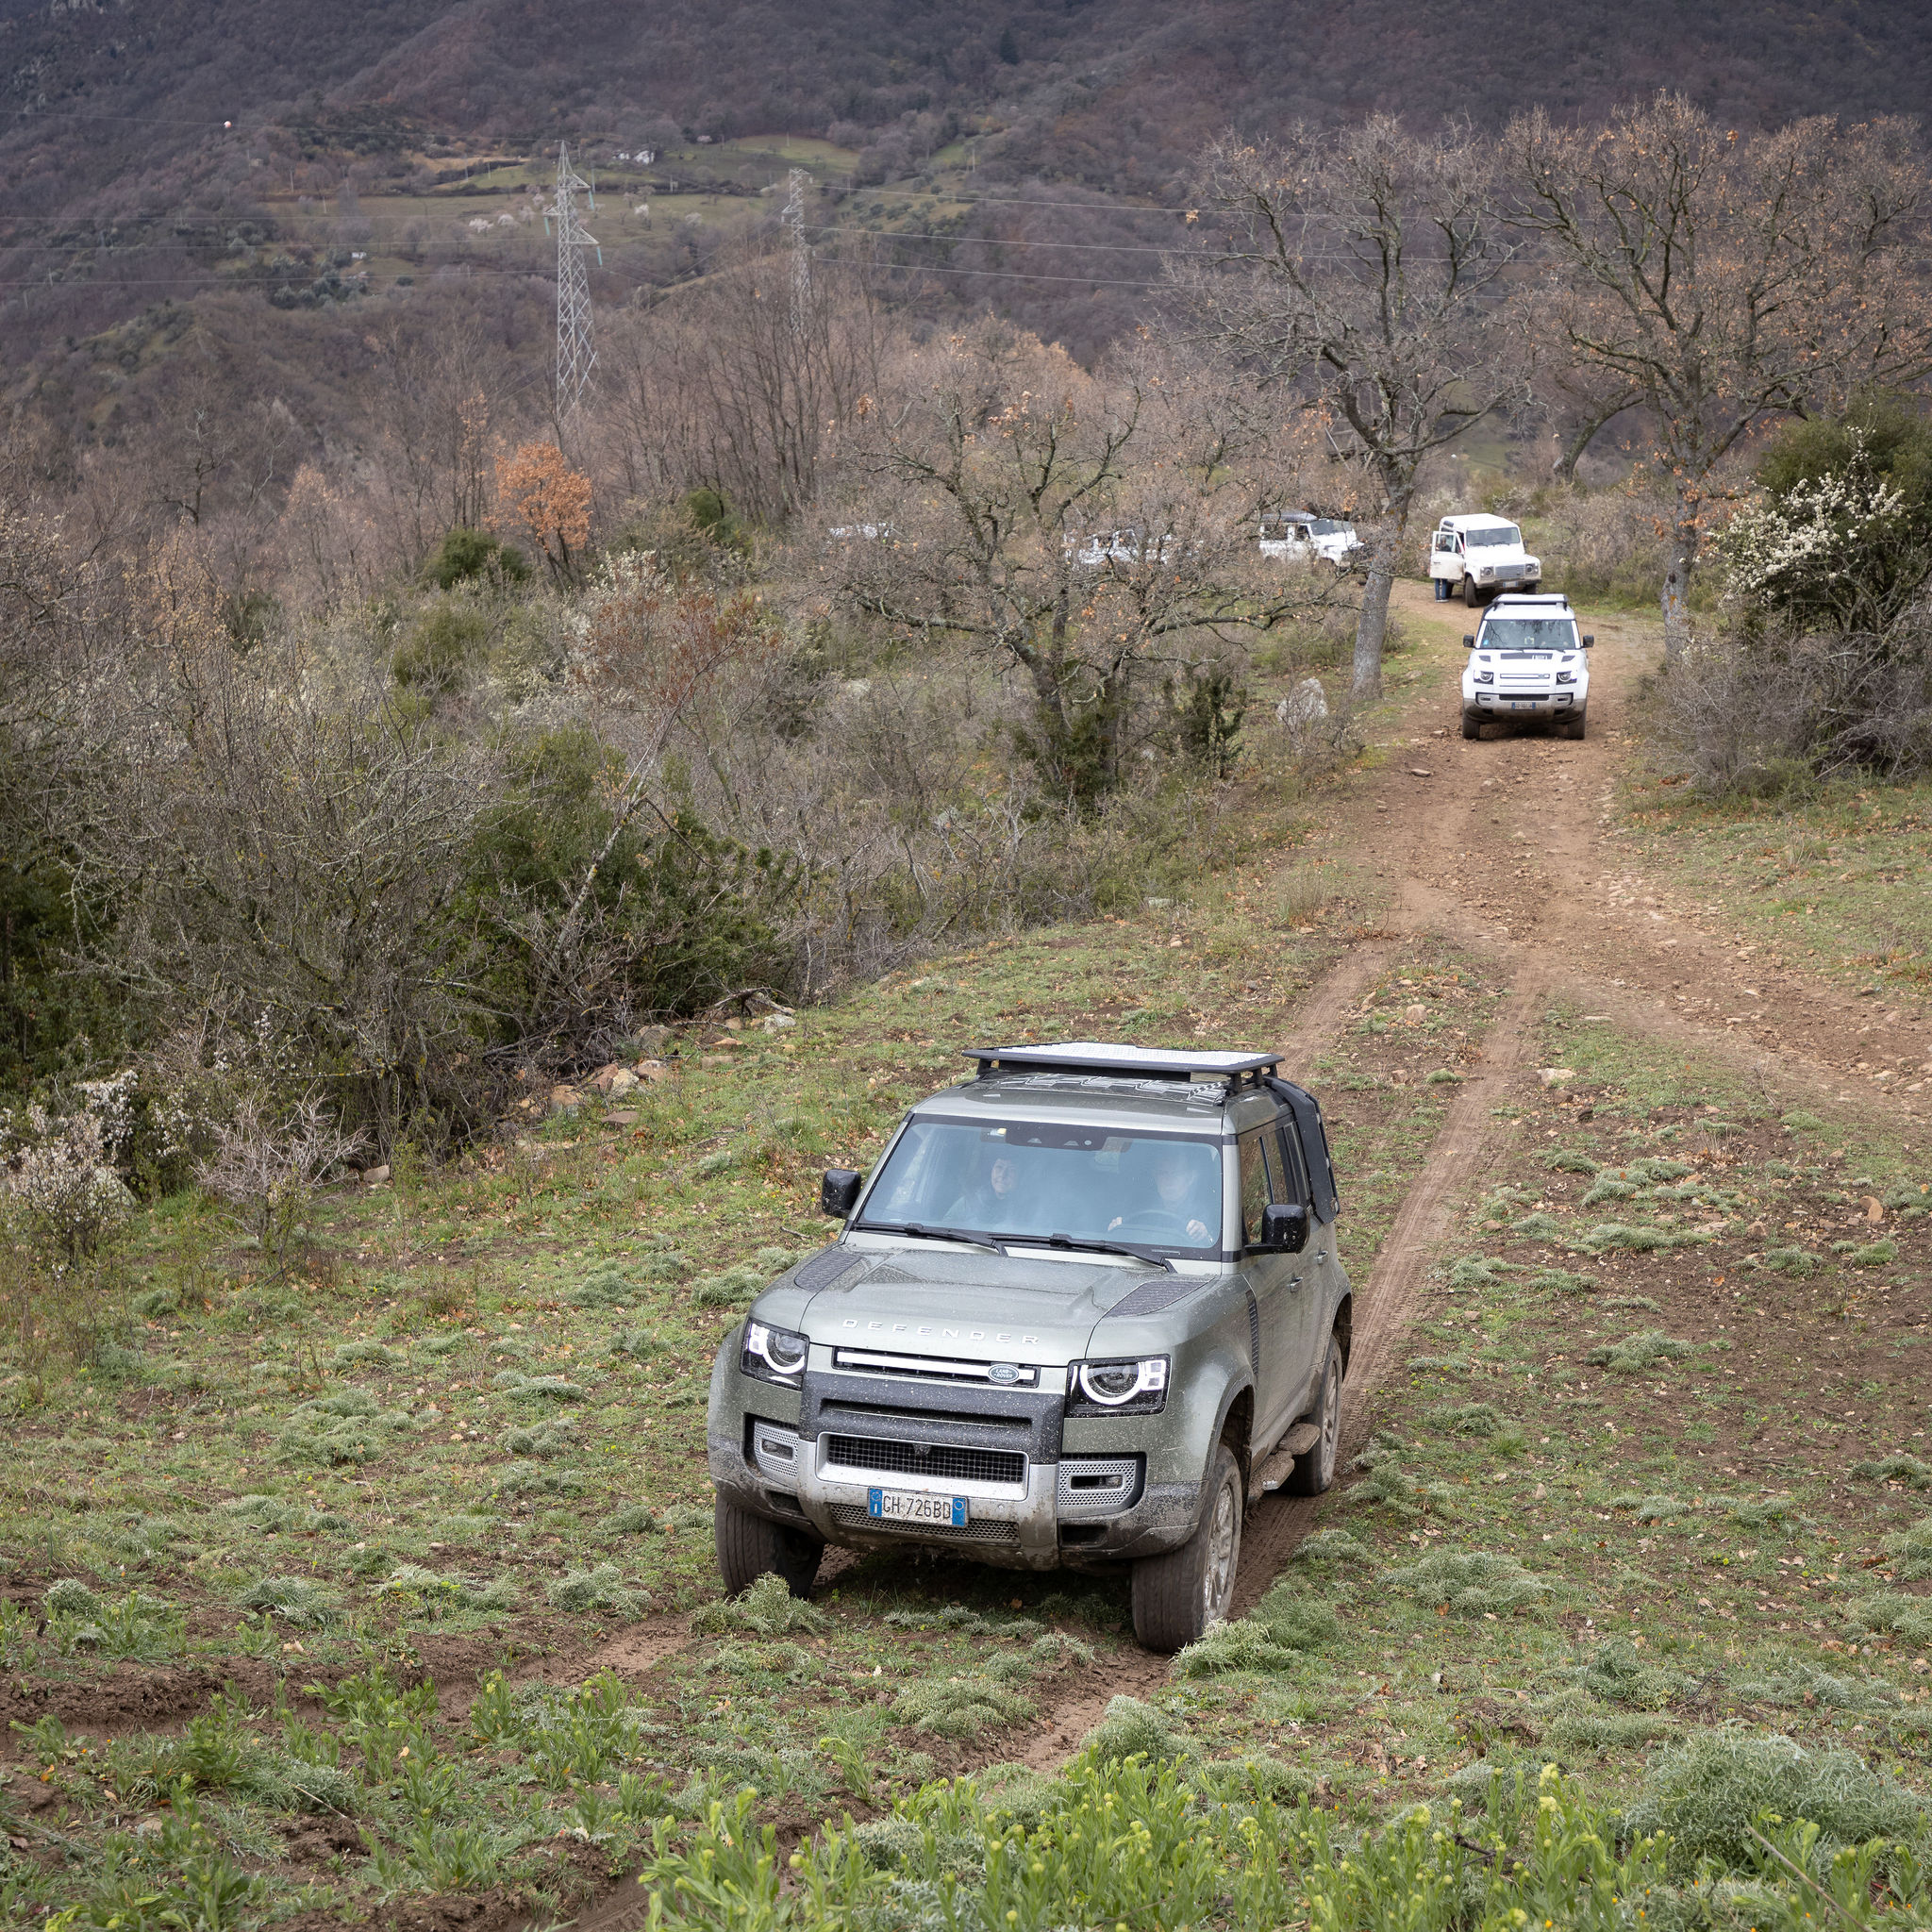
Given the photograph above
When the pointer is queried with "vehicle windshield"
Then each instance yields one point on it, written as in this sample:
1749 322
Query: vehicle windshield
1529 634
1327 526
1030 1180
1492 538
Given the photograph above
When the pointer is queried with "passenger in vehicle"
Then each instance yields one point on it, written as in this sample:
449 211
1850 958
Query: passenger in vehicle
994 1205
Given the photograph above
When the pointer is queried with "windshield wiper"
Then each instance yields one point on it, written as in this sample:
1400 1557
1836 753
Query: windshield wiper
1139 1250
921 1232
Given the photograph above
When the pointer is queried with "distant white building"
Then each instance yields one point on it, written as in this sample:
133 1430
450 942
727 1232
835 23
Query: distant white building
645 156
479 224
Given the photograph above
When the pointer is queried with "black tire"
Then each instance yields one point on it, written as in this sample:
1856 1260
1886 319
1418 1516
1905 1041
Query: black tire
1472 597
1472 727
1315 1470
1579 724
1177 1596
750 1547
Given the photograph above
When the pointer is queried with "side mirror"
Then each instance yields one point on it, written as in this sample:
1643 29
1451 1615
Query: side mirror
1468 641
839 1190
1284 1229
1587 641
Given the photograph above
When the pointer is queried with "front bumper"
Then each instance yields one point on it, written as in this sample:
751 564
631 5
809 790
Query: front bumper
1028 1506
1522 704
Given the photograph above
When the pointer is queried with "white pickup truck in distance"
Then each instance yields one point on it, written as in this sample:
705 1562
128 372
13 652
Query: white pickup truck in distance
1526 664
1482 555
1298 536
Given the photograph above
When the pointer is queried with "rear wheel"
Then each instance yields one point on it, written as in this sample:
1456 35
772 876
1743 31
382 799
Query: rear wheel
1177 1596
750 1547
1472 727
1314 1470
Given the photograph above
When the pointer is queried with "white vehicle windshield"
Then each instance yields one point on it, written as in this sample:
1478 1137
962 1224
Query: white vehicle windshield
1327 526
1529 634
1032 1180
1497 537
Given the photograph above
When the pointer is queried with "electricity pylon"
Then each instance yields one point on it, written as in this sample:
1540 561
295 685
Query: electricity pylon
575 352
801 253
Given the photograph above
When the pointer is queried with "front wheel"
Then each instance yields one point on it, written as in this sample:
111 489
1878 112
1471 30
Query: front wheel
750 1547
1314 1469
1472 727
1177 1597
1579 724
1471 595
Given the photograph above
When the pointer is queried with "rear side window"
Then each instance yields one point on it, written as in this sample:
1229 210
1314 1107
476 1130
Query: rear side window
1256 1182
1283 1161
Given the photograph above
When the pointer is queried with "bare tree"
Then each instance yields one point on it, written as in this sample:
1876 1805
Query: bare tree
740 385
1359 268
1075 527
1716 279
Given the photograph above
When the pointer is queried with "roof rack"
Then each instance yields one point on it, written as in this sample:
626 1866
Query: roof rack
1135 1062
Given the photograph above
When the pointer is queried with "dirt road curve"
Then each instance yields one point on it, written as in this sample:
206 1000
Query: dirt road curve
1504 847
1507 848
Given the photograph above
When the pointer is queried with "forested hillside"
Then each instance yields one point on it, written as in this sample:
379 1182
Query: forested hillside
144 144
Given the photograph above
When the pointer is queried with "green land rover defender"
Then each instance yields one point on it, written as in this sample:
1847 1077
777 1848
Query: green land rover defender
1086 1310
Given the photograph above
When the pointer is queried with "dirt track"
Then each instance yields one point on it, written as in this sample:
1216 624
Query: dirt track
1506 848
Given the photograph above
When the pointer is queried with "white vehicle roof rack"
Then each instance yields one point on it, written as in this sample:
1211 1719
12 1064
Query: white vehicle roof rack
1136 1062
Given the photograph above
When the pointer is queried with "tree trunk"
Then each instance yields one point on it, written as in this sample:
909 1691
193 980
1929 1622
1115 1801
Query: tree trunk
1676 597
1371 625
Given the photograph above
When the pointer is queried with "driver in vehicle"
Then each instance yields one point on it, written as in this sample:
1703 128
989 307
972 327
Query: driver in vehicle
994 1203
1177 1185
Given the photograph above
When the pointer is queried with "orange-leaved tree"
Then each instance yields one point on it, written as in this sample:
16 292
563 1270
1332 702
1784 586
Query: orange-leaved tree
539 492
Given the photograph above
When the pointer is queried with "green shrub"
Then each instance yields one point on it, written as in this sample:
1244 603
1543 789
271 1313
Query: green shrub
768 1609
609 1287
1910 1550
1129 1728
442 647
520 1388
598 1589
1891 1613
1616 1673
1610 1730
470 556
430 1593
962 1706
1470 1419
1471 1583
293 1599
1703 1792
542 1439
1638 1353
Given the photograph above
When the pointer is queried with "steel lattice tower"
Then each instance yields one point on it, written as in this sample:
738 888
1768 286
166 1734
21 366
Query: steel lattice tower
801 253
574 350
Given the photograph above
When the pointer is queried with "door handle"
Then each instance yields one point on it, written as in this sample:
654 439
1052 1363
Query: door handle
1321 1258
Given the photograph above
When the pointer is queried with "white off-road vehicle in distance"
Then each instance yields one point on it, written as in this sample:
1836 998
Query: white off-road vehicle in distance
1527 664
1481 555
1299 536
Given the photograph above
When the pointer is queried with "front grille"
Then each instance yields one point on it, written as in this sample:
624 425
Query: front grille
927 1458
849 1516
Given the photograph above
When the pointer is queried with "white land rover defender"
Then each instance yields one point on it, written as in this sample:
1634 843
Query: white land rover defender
1302 536
1527 662
1481 554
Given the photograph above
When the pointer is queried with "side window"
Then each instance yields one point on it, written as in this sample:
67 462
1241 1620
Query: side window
1285 1156
1253 1184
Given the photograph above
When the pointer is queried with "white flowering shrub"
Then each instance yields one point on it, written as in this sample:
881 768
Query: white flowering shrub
1836 547
59 1173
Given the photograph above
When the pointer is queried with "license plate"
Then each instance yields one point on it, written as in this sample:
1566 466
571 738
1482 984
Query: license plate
1522 703
915 1505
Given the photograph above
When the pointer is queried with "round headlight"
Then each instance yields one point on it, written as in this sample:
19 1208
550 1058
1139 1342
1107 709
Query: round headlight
785 1351
1110 1382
